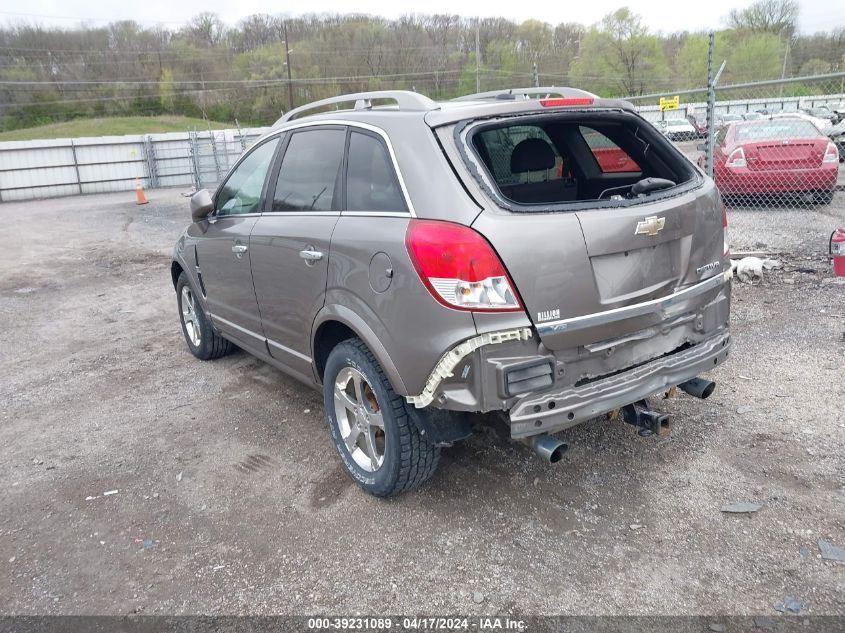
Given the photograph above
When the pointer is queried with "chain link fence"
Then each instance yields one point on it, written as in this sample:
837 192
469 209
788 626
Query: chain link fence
776 143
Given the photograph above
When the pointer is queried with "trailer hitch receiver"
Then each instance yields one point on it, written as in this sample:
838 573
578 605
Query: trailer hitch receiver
649 422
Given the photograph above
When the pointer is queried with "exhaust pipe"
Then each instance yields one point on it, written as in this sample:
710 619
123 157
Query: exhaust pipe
698 387
548 448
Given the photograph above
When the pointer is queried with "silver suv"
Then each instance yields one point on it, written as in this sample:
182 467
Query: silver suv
542 252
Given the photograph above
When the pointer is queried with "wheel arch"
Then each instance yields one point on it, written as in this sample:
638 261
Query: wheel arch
337 323
176 269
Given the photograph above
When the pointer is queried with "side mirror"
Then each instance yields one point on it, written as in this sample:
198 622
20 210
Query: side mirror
701 147
201 205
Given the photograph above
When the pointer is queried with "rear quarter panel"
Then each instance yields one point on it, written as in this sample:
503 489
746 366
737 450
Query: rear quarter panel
413 329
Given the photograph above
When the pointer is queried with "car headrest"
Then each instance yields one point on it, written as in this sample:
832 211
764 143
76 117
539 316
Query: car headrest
532 154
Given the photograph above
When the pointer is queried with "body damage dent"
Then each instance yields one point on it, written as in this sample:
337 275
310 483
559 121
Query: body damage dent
451 359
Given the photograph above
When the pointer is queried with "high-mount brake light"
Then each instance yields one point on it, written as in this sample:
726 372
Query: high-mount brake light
460 268
573 101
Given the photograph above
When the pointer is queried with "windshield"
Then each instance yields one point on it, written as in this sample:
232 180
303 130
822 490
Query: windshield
795 128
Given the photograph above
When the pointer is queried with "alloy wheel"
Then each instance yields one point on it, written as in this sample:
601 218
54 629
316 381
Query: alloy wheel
189 317
359 419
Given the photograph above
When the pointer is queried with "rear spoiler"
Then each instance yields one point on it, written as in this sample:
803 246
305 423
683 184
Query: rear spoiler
483 106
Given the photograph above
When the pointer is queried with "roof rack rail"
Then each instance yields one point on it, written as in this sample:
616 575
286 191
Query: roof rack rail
541 91
405 99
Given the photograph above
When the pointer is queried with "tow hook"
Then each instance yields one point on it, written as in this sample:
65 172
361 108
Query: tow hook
649 422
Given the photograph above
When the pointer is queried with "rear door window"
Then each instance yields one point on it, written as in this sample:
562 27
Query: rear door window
309 177
610 157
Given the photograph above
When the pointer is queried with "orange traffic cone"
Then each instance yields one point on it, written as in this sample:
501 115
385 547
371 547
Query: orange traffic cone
140 198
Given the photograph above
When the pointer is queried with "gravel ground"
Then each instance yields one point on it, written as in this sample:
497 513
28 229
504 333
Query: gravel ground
229 498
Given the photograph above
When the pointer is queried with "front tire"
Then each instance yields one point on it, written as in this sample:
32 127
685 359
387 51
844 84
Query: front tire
380 446
201 338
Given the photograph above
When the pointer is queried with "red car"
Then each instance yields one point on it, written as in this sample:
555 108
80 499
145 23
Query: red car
610 157
775 156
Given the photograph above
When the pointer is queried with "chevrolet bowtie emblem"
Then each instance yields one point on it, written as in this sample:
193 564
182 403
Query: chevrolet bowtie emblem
652 225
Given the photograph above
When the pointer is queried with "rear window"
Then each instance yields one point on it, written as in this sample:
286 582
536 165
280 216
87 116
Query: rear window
789 128
563 159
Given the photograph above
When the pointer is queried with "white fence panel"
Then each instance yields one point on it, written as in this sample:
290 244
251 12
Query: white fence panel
61 167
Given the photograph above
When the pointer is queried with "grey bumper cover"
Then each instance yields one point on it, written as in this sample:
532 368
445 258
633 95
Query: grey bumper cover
559 409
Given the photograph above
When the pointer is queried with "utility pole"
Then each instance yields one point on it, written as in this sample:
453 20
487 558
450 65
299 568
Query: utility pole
783 70
477 58
536 76
287 63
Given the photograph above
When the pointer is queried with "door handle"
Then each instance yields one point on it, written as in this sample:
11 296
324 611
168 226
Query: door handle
239 249
310 256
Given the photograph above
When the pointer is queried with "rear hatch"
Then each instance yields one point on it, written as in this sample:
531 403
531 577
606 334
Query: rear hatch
605 249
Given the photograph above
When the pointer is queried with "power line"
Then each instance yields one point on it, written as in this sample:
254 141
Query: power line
93 82
157 95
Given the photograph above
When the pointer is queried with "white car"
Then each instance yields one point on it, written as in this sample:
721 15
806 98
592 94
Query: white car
680 130
821 124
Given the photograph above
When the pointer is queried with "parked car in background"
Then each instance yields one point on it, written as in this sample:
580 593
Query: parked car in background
699 123
752 116
838 111
419 261
820 112
837 135
782 155
610 157
820 124
680 130
724 119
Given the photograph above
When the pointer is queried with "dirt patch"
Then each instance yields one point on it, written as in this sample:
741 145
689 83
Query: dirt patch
230 498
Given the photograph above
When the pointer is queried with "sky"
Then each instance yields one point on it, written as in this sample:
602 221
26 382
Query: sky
659 15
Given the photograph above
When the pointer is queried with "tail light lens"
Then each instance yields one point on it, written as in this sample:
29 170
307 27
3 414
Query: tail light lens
831 154
460 268
725 231
736 159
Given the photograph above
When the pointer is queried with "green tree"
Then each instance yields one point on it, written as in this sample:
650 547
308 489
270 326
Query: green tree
754 57
618 56
766 16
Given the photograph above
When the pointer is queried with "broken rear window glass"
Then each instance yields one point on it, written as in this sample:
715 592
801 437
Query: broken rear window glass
561 159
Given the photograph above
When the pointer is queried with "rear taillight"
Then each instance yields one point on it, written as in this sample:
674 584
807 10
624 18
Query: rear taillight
557 102
736 159
459 268
831 154
725 231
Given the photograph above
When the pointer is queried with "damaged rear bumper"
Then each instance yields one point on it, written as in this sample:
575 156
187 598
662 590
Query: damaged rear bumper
559 409
545 390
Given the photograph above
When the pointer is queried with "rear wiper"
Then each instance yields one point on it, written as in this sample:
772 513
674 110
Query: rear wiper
647 185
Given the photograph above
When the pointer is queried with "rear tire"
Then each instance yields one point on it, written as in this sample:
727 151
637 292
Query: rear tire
380 446
200 336
823 197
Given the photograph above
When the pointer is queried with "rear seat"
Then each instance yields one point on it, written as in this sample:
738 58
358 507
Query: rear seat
532 155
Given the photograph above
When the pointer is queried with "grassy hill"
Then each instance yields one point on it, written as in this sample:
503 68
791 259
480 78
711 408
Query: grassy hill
111 126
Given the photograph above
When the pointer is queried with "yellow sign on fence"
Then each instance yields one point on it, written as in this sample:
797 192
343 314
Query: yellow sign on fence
670 103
